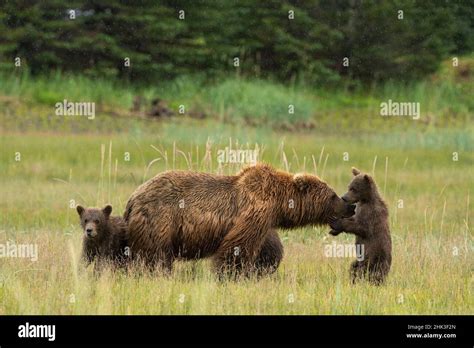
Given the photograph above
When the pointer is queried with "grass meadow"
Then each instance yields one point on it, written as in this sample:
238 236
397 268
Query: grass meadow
424 169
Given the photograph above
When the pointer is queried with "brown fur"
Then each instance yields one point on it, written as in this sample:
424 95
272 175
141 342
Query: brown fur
105 237
370 226
189 215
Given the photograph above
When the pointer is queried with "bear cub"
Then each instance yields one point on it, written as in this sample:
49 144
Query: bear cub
105 237
371 228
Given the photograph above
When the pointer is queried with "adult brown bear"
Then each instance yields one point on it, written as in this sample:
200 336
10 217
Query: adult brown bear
189 215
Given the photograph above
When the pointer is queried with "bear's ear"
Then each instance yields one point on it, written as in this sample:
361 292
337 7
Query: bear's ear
80 209
367 179
301 182
107 210
355 171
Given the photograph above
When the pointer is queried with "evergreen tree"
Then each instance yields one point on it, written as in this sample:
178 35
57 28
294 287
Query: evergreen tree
273 39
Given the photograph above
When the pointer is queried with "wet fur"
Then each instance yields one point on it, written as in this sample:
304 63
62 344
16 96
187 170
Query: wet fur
233 219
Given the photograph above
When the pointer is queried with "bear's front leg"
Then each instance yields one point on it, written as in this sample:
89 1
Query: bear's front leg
242 244
354 226
270 255
349 225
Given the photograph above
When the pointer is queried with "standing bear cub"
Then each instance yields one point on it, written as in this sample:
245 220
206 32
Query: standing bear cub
105 237
370 225
234 219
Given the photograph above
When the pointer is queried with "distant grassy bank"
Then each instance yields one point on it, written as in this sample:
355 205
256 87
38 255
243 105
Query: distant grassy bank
445 100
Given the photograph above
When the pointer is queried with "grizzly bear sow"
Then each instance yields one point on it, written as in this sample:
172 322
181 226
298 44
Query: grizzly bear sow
370 225
189 215
105 236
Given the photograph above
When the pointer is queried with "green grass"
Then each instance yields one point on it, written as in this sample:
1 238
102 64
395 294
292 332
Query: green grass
56 168
260 102
445 99
72 160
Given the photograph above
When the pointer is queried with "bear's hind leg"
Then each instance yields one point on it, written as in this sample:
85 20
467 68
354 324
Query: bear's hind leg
163 261
378 272
358 270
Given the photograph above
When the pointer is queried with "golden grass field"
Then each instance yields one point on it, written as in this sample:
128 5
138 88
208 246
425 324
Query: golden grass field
428 193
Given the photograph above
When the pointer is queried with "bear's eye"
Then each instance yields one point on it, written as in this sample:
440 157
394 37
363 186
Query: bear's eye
352 189
86 221
96 221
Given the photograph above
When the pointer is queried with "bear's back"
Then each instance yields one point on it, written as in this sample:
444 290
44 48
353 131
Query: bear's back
185 189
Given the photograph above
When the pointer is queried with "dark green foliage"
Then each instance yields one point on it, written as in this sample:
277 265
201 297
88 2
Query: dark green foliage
269 44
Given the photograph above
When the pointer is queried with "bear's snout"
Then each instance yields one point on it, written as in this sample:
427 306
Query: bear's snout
90 230
349 211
